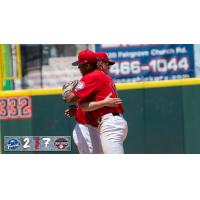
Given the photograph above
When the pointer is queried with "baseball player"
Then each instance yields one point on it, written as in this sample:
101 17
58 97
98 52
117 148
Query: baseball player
93 87
86 133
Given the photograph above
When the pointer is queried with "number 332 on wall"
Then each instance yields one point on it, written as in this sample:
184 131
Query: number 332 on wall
15 108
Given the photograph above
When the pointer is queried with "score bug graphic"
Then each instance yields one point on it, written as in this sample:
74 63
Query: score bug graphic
37 143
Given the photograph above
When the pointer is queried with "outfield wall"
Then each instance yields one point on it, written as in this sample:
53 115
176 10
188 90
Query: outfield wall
163 117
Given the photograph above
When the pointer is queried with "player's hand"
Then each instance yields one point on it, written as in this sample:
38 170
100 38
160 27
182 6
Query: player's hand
112 102
67 90
71 111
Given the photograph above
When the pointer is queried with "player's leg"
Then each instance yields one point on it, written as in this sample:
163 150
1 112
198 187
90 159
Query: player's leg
87 139
95 140
113 131
82 139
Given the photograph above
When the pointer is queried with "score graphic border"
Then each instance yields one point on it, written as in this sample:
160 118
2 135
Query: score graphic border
27 144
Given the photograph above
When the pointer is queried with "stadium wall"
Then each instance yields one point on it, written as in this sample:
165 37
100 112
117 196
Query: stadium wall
163 117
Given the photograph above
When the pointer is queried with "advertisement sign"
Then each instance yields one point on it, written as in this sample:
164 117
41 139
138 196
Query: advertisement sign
149 62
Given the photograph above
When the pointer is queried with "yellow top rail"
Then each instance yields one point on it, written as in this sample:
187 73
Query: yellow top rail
120 86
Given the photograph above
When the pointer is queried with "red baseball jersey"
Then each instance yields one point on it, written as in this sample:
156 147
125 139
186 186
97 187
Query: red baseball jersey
80 116
95 86
84 118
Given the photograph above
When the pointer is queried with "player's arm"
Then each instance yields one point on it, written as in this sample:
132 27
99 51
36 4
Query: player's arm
94 105
71 98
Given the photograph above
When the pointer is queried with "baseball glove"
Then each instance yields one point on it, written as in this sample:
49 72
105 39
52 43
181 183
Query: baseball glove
67 88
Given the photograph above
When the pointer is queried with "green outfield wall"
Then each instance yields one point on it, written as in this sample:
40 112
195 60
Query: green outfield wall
163 117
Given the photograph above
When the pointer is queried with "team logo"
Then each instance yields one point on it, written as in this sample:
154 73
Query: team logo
13 144
61 143
80 85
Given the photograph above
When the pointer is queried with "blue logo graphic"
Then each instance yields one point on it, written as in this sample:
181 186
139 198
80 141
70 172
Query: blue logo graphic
13 144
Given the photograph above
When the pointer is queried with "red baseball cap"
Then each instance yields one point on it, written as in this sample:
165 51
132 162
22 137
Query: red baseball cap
85 57
103 56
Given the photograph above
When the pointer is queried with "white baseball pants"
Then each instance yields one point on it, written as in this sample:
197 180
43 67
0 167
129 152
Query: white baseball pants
113 131
87 139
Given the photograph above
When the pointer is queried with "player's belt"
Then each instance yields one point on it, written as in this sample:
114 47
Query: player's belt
114 114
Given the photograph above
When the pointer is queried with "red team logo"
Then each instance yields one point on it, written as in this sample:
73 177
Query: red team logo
61 143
